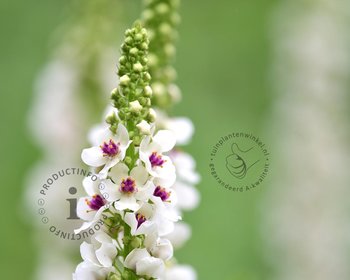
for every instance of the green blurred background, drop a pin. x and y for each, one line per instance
(223, 64)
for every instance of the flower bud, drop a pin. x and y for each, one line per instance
(113, 277)
(136, 242)
(135, 106)
(124, 80)
(162, 8)
(127, 160)
(122, 59)
(144, 127)
(138, 67)
(165, 29)
(147, 14)
(148, 91)
(152, 115)
(134, 51)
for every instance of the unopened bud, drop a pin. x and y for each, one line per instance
(144, 127)
(124, 80)
(135, 106)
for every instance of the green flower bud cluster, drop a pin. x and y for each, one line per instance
(161, 19)
(132, 98)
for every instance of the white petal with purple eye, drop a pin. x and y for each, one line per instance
(93, 156)
(165, 139)
(166, 171)
(145, 158)
(182, 128)
(83, 210)
(92, 219)
(147, 227)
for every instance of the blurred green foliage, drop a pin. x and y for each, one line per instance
(223, 64)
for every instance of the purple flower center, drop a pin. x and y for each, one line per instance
(128, 186)
(140, 219)
(162, 193)
(156, 160)
(110, 149)
(96, 202)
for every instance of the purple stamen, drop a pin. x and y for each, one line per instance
(162, 193)
(96, 202)
(110, 149)
(156, 160)
(128, 186)
(140, 219)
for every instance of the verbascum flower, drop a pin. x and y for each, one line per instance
(133, 191)
(111, 150)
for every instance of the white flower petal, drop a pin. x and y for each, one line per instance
(144, 144)
(106, 254)
(102, 237)
(166, 171)
(182, 128)
(83, 210)
(90, 186)
(88, 271)
(97, 134)
(150, 266)
(87, 252)
(127, 202)
(119, 172)
(109, 164)
(189, 196)
(165, 139)
(130, 219)
(145, 192)
(181, 233)
(139, 174)
(135, 256)
(84, 226)
(110, 191)
(122, 135)
(93, 156)
(183, 272)
(163, 249)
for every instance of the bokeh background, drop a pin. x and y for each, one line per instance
(226, 62)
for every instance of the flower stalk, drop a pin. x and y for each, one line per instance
(136, 190)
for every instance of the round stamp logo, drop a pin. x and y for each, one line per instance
(56, 200)
(239, 161)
